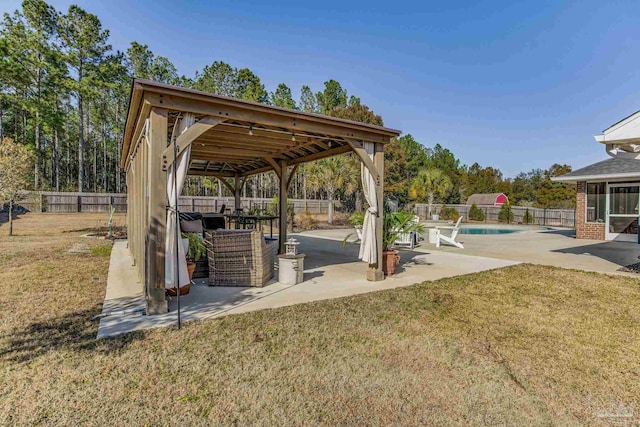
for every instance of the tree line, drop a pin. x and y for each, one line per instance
(64, 94)
(415, 173)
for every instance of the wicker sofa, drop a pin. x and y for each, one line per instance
(239, 257)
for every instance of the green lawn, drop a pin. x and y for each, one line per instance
(525, 345)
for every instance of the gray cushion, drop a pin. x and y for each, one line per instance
(194, 226)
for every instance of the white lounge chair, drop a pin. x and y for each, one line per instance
(408, 239)
(448, 233)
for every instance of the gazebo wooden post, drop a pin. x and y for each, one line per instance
(157, 202)
(375, 270)
(236, 193)
(282, 228)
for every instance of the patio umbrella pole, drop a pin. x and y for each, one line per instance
(177, 228)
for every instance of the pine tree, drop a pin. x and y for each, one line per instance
(85, 45)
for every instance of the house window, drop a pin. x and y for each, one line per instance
(596, 201)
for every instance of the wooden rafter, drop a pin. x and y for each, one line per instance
(274, 164)
(184, 140)
(294, 169)
(358, 148)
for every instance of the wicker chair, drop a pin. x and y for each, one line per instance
(239, 258)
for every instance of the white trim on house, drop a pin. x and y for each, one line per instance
(575, 179)
(623, 136)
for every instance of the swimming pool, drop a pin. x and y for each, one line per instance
(487, 230)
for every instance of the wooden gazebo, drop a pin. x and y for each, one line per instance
(230, 138)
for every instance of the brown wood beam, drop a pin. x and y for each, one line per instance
(282, 228)
(203, 105)
(241, 145)
(211, 173)
(294, 169)
(136, 132)
(322, 154)
(186, 138)
(276, 167)
(157, 202)
(358, 148)
(240, 153)
(224, 182)
(374, 272)
(232, 138)
(261, 132)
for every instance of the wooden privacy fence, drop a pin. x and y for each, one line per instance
(541, 216)
(59, 202)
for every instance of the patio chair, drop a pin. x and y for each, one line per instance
(240, 258)
(449, 235)
(411, 239)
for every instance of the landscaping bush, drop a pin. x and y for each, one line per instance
(475, 213)
(528, 217)
(307, 221)
(449, 213)
(356, 219)
(505, 214)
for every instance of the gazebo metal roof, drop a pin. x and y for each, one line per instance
(239, 137)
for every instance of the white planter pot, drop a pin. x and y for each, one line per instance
(435, 217)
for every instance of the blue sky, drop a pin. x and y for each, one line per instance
(514, 86)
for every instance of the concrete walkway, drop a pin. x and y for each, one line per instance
(331, 271)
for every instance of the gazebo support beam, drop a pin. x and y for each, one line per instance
(364, 157)
(237, 190)
(185, 140)
(156, 227)
(282, 228)
(374, 273)
(292, 173)
(224, 182)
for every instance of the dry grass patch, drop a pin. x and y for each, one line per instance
(526, 345)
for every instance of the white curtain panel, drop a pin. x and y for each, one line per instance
(182, 167)
(368, 248)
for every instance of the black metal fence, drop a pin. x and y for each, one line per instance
(539, 216)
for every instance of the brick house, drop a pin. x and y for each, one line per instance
(608, 192)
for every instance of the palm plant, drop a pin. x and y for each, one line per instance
(429, 184)
(329, 175)
(396, 224)
(197, 249)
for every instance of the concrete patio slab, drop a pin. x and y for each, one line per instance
(552, 246)
(331, 271)
(556, 247)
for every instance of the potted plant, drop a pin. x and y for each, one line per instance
(394, 225)
(356, 220)
(195, 250)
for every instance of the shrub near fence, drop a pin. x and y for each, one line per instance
(539, 216)
(100, 202)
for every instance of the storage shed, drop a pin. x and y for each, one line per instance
(488, 199)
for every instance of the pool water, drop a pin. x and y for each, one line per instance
(487, 230)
